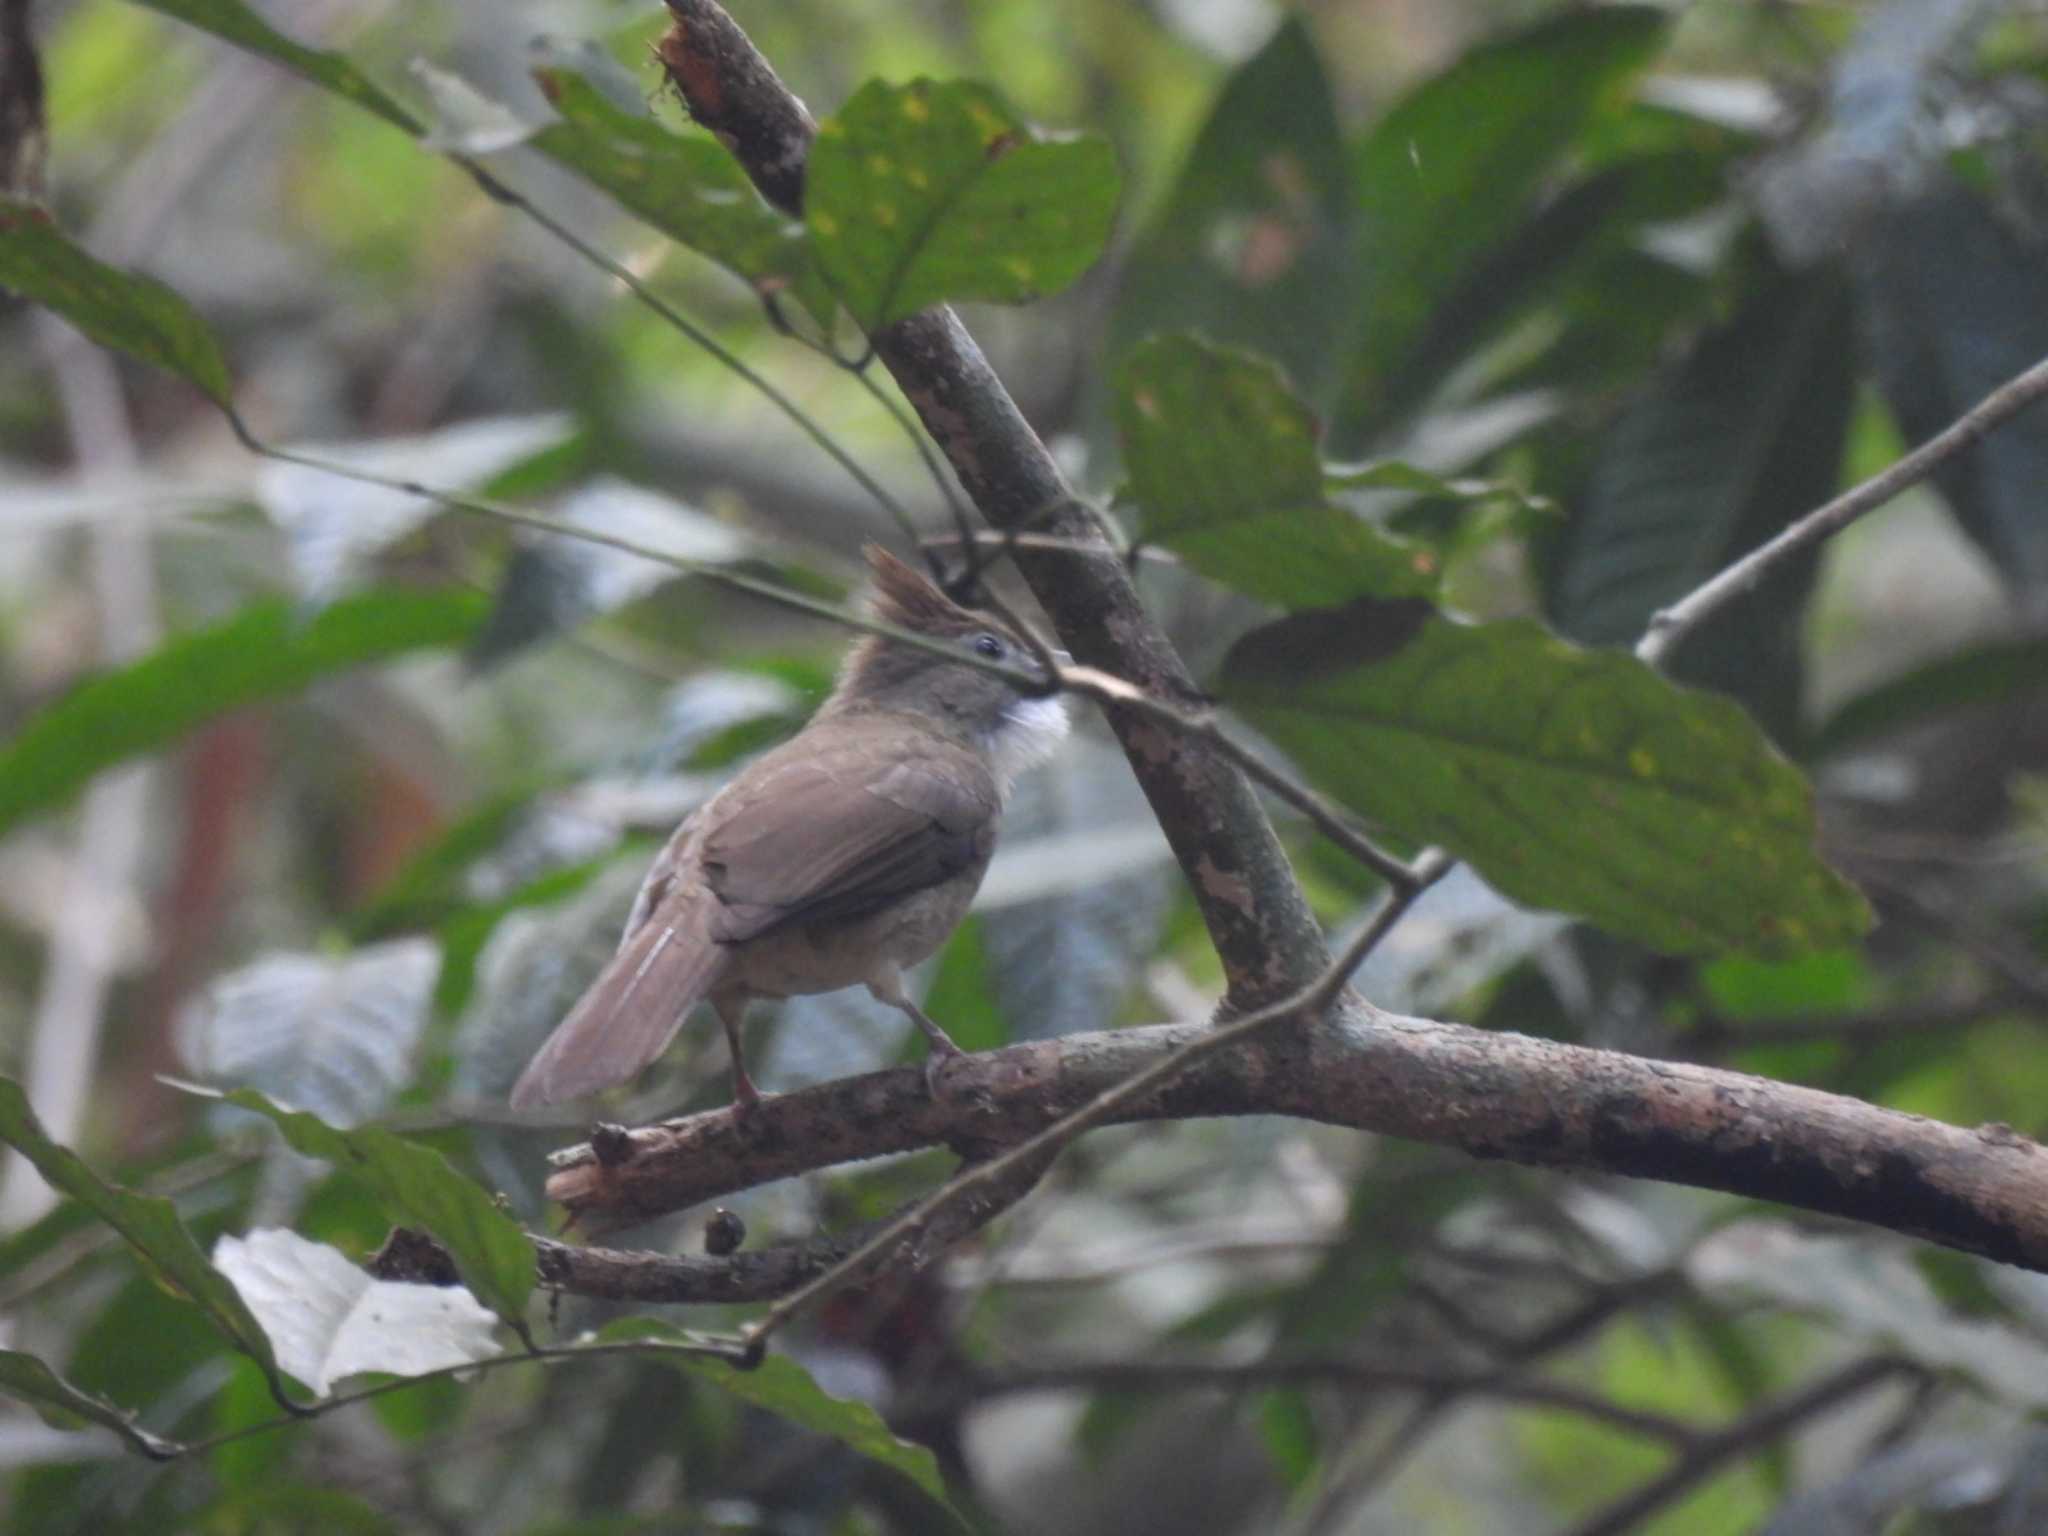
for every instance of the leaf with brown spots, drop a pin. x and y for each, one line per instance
(926, 193)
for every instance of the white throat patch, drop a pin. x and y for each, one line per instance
(1031, 732)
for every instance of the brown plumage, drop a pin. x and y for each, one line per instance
(840, 858)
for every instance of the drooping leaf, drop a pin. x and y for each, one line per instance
(263, 652)
(1223, 469)
(421, 1188)
(1956, 302)
(1726, 447)
(233, 22)
(1446, 175)
(125, 311)
(331, 1320)
(1575, 780)
(1253, 243)
(687, 186)
(336, 1034)
(334, 523)
(2002, 670)
(785, 1389)
(63, 1406)
(149, 1224)
(925, 193)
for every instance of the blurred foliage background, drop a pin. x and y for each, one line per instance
(1673, 274)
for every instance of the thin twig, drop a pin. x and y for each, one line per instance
(1329, 819)
(1672, 624)
(934, 466)
(160, 1449)
(1310, 1001)
(1745, 1437)
(499, 192)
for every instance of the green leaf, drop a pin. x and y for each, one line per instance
(1254, 242)
(421, 1188)
(1287, 1429)
(122, 310)
(785, 1389)
(149, 1224)
(1725, 447)
(63, 1406)
(1448, 173)
(690, 188)
(233, 22)
(1580, 781)
(925, 193)
(263, 652)
(962, 997)
(1223, 467)
(2003, 670)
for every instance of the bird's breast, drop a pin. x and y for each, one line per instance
(803, 958)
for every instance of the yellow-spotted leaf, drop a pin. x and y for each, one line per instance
(1223, 469)
(1577, 780)
(924, 193)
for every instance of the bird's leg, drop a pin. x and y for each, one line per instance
(887, 986)
(730, 1012)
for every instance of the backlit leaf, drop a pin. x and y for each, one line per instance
(687, 186)
(926, 193)
(1224, 471)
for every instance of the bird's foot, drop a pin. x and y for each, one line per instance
(944, 1067)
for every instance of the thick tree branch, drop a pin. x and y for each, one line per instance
(1982, 1191)
(1256, 914)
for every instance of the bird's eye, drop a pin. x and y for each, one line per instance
(989, 646)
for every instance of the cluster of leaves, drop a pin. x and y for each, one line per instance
(1560, 308)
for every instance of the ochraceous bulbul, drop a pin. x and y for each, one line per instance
(838, 859)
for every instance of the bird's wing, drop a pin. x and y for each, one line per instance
(841, 832)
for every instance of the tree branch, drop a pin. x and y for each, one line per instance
(1982, 1191)
(1260, 922)
(1743, 1438)
(763, 1274)
(1671, 625)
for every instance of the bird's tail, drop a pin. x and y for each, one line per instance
(629, 1015)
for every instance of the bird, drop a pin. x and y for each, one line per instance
(840, 858)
